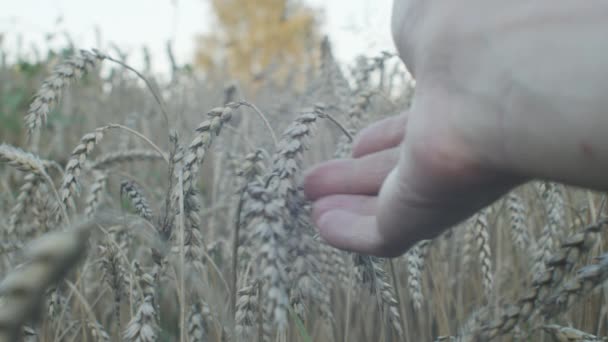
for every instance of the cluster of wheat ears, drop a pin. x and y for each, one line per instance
(152, 231)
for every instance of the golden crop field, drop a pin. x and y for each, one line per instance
(134, 208)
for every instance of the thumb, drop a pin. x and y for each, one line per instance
(404, 217)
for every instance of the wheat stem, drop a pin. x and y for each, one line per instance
(264, 119)
(144, 138)
(143, 78)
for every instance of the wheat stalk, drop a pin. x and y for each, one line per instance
(568, 334)
(42, 212)
(354, 120)
(284, 209)
(304, 261)
(29, 163)
(480, 228)
(468, 247)
(95, 194)
(554, 201)
(50, 91)
(137, 197)
(197, 150)
(248, 172)
(517, 216)
(48, 259)
(555, 220)
(113, 273)
(143, 327)
(198, 329)
(193, 158)
(415, 262)
(333, 263)
(269, 229)
(547, 293)
(24, 199)
(176, 156)
(21, 160)
(98, 332)
(246, 311)
(586, 279)
(58, 307)
(69, 186)
(370, 273)
(112, 159)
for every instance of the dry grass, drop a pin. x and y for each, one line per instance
(203, 234)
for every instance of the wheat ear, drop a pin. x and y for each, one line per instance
(517, 216)
(29, 163)
(198, 327)
(415, 266)
(98, 332)
(568, 334)
(547, 292)
(24, 199)
(95, 194)
(137, 197)
(269, 229)
(50, 91)
(246, 311)
(143, 327)
(69, 186)
(113, 273)
(482, 237)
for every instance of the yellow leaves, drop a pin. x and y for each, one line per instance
(252, 35)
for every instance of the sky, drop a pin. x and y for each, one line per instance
(355, 26)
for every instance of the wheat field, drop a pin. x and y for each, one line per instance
(137, 209)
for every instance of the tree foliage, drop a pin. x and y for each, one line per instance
(256, 37)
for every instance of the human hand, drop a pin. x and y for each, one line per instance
(410, 175)
(394, 192)
(482, 120)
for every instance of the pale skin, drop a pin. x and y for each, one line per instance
(507, 92)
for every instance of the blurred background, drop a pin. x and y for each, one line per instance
(200, 32)
(279, 54)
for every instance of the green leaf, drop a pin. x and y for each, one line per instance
(301, 328)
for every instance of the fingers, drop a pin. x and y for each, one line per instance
(359, 204)
(384, 226)
(382, 135)
(362, 176)
(405, 217)
(345, 190)
(350, 231)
